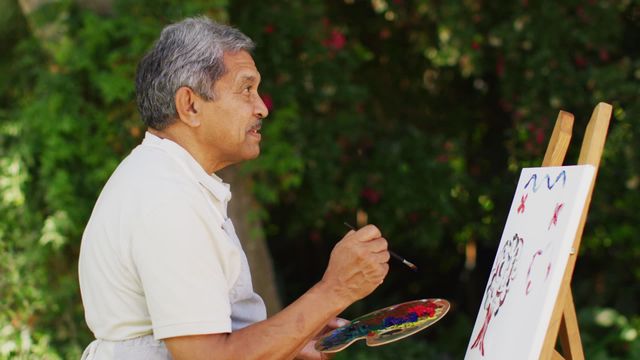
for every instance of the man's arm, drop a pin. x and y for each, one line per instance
(358, 264)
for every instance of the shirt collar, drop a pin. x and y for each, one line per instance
(212, 182)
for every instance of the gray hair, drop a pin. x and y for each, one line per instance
(188, 53)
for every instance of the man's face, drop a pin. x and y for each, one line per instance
(231, 122)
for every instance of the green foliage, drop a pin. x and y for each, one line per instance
(71, 118)
(422, 117)
(610, 335)
(418, 113)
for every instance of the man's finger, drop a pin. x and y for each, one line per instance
(337, 322)
(369, 232)
(382, 257)
(377, 245)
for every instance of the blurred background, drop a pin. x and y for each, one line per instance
(414, 115)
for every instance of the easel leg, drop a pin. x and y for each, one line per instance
(555, 355)
(564, 311)
(569, 333)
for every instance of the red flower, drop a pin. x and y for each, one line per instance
(315, 236)
(582, 14)
(371, 195)
(268, 101)
(580, 61)
(336, 40)
(540, 135)
(529, 147)
(385, 33)
(269, 28)
(442, 158)
(500, 66)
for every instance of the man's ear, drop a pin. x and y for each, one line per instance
(187, 106)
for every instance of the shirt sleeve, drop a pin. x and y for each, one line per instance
(183, 261)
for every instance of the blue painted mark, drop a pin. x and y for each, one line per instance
(535, 185)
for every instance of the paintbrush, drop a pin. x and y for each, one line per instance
(408, 263)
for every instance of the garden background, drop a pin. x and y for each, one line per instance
(419, 113)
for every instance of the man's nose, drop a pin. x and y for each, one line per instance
(261, 110)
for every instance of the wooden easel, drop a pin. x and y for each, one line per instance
(564, 322)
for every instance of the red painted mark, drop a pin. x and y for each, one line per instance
(554, 219)
(548, 270)
(479, 341)
(522, 201)
(422, 310)
(528, 289)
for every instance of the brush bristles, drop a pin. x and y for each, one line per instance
(410, 265)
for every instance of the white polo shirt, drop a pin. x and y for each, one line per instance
(159, 254)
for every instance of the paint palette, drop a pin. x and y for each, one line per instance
(386, 325)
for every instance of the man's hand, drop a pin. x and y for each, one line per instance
(309, 351)
(358, 264)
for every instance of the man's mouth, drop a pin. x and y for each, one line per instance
(255, 129)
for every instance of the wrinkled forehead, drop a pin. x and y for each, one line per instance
(240, 71)
(239, 61)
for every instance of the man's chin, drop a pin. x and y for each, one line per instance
(250, 155)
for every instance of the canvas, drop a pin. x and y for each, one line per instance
(530, 262)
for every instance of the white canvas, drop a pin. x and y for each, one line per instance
(530, 263)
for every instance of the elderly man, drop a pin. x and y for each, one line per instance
(162, 272)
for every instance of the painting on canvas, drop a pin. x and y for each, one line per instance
(530, 262)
